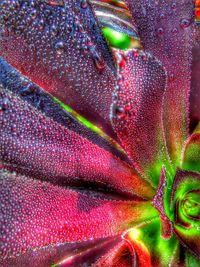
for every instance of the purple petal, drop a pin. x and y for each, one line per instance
(165, 28)
(137, 113)
(35, 145)
(62, 50)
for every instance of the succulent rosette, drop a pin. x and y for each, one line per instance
(99, 133)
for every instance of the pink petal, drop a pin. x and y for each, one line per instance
(166, 30)
(36, 214)
(35, 145)
(137, 113)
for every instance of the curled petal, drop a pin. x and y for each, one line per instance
(166, 30)
(137, 113)
(185, 201)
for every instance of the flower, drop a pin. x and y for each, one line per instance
(123, 192)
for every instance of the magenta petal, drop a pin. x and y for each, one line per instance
(35, 214)
(166, 29)
(37, 146)
(137, 113)
(63, 51)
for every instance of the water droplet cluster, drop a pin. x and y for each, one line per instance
(60, 48)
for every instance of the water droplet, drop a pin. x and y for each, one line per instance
(175, 31)
(59, 46)
(33, 13)
(160, 31)
(173, 5)
(55, 2)
(4, 104)
(118, 112)
(84, 3)
(184, 23)
(99, 62)
(162, 16)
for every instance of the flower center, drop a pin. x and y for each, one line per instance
(191, 205)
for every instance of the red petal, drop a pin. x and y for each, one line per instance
(36, 214)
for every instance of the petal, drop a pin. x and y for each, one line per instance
(35, 145)
(165, 29)
(191, 260)
(179, 257)
(118, 256)
(137, 113)
(41, 100)
(84, 252)
(195, 88)
(150, 248)
(35, 214)
(191, 152)
(61, 49)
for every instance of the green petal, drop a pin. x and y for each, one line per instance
(191, 154)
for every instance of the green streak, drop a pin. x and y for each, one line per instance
(88, 124)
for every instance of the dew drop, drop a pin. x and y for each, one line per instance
(55, 2)
(99, 62)
(160, 31)
(173, 5)
(184, 23)
(84, 3)
(59, 46)
(54, 30)
(4, 103)
(175, 31)
(118, 112)
(162, 16)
